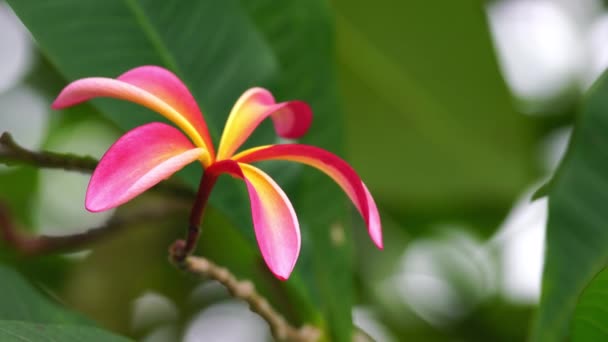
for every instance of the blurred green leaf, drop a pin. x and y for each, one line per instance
(34, 332)
(18, 186)
(576, 231)
(591, 314)
(430, 124)
(20, 301)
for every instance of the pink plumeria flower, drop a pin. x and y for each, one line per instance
(151, 153)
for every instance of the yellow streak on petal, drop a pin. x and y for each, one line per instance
(132, 93)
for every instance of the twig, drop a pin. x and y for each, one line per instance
(12, 153)
(245, 290)
(31, 245)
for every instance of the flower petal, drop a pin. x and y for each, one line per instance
(291, 119)
(136, 162)
(274, 220)
(334, 167)
(152, 87)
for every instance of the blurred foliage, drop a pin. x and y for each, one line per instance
(409, 92)
(26, 315)
(26, 331)
(576, 234)
(591, 314)
(430, 133)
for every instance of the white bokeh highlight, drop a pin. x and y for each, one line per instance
(520, 241)
(443, 277)
(24, 113)
(152, 309)
(365, 319)
(61, 194)
(582, 12)
(16, 49)
(553, 148)
(549, 48)
(596, 40)
(163, 333)
(538, 45)
(229, 321)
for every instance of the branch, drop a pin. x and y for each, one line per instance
(245, 290)
(12, 153)
(30, 245)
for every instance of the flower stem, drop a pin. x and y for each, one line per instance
(11, 153)
(181, 249)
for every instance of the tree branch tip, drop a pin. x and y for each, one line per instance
(177, 256)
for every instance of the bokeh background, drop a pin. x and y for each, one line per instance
(454, 113)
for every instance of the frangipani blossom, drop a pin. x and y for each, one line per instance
(151, 153)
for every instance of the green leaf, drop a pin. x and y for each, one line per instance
(590, 320)
(27, 315)
(20, 301)
(17, 190)
(35, 332)
(576, 230)
(431, 127)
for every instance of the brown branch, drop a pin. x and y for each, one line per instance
(245, 290)
(30, 245)
(12, 153)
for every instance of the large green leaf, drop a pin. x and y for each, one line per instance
(577, 233)
(431, 127)
(26, 315)
(20, 301)
(35, 332)
(591, 314)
